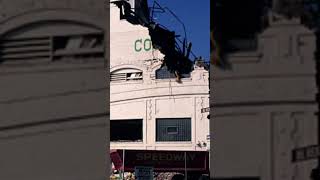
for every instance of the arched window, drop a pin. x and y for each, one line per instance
(126, 74)
(52, 41)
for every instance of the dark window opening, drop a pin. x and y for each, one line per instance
(60, 43)
(78, 41)
(126, 130)
(164, 73)
(134, 76)
(78, 46)
(173, 129)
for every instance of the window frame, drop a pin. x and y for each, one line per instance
(189, 140)
(125, 73)
(171, 74)
(141, 140)
(14, 44)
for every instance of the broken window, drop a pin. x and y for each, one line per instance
(173, 129)
(126, 130)
(78, 46)
(164, 73)
(50, 48)
(127, 74)
(43, 42)
(176, 50)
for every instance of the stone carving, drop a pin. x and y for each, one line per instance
(295, 133)
(149, 104)
(287, 135)
(281, 143)
(152, 63)
(201, 105)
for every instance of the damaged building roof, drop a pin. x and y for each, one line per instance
(176, 56)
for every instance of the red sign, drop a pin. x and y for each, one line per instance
(116, 159)
(165, 160)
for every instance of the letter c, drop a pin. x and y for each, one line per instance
(135, 45)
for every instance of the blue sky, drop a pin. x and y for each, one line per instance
(196, 18)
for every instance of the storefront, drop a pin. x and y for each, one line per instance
(192, 163)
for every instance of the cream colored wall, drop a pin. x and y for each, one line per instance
(151, 98)
(122, 38)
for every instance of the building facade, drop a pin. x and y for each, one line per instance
(265, 106)
(149, 110)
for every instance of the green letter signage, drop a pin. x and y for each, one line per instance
(135, 45)
(147, 45)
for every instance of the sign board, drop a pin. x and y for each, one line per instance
(116, 159)
(165, 161)
(203, 110)
(306, 153)
(143, 173)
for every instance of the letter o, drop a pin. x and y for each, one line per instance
(147, 45)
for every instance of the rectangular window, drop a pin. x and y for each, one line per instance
(164, 73)
(173, 129)
(126, 130)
